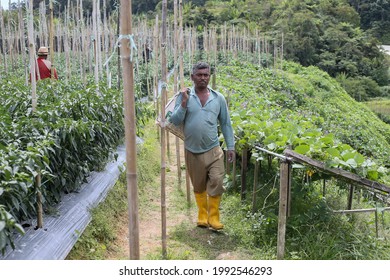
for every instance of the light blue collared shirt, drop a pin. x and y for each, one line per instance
(201, 123)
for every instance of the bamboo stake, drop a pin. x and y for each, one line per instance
(3, 41)
(181, 70)
(95, 40)
(350, 196)
(175, 87)
(29, 8)
(130, 129)
(39, 201)
(66, 44)
(163, 135)
(51, 37)
(156, 89)
(255, 183)
(244, 165)
(119, 57)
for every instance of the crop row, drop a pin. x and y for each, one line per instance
(74, 130)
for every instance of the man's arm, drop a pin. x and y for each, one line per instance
(180, 110)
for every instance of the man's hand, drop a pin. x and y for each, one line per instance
(185, 97)
(231, 155)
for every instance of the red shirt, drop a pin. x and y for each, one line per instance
(44, 67)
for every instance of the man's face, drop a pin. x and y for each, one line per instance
(201, 78)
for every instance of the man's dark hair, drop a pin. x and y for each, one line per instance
(200, 65)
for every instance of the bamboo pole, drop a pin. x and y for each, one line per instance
(353, 211)
(39, 201)
(244, 165)
(163, 135)
(175, 86)
(95, 40)
(156, 57)
(255, 183)
(29, 8)
(66, 44)
(51, 37)
(130, 128)
(181, 77)
(3, 41)
(119, 57)
(350, 196)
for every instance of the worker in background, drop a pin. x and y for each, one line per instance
(44, 65)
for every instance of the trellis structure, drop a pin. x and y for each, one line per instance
(286, 160)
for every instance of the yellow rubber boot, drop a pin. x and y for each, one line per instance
(214, 202)
(201, 202)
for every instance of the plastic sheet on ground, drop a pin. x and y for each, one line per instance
(61, 230)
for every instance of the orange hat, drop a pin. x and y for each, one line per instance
(43, 51)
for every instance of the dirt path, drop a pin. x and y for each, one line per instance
(150, 216)
(184, 239)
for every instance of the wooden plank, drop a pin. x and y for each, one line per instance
(337, 172)
(359, 210)
(282, 217)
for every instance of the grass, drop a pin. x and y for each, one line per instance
(381, 107)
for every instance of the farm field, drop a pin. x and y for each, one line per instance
(380, 107)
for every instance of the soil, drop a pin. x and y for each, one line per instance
(150, 221)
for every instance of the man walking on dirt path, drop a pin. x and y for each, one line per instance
(200, 109)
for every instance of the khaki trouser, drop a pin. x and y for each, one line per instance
(206, 171)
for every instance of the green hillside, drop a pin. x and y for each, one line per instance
(306, 109)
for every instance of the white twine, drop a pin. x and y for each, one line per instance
(132, 46)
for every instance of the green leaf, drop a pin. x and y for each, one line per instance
(348, 155)
(359, 158)
(333, 152)
(3, 240)
(372, 175)
(19, 228)
(351, 162)
(302, 149)
(2, 225)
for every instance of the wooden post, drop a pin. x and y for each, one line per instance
(234, 175)
(244, 165)
(255, 182)
(376, 221)
(282, 218)
(130, 128)
(350, 196)
(324, 188)
(289, 190)
(163, 134)
(181, 77)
